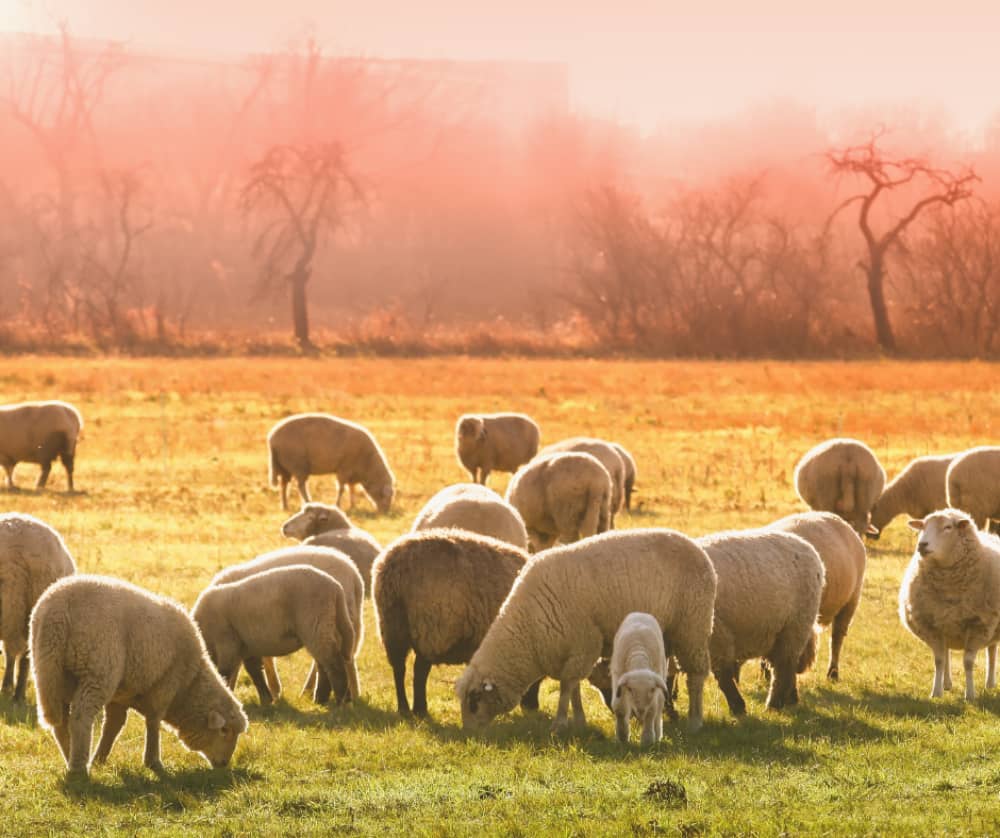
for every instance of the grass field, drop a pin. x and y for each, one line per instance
(173, 463)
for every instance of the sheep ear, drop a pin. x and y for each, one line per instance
(915, 524)
(663, 686)
(962, 523)
(216, 721)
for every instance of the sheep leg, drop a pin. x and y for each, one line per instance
(991, 666)
(68, 460)
(8, 467)
(8, 670)
(783, 690)
(696, 691)
(576, 699)
(969, 660)
(43, 475)
(350, 496)
(621, 727)
(310, 683)
(61, 734)
(398, 663)
(23, 664)
(421, 671)
(255, 669)
(321, 692)
(114, 721)
(84, 707)
(151, 756)
(529, 701)
(947, 669)
(353, 682)
(283, 483)
(649, 735)
(940, 665)
(561, 721)
(300, 484)
(837, 634)
(726, 677)
(340, 494)
(271, 676)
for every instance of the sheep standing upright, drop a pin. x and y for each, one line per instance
(917, 491)
(561, 496)
(319, 525)
(475, 508)
(950, 595)
(638, 670)
(607, 455)
(842, 476)
(974, 484)
(844, 558)
(317, 443)
(98, 642)
(38, 432)
(487, 442)
(32, 557)
(436, 592)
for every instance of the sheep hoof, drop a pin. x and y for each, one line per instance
(833, 674)
(156, 767)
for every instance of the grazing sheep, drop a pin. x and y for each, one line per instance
(437, 592)
(843, 555)
(974, 484)
(916, 491)
(328, 560)
(472, 507)
(98, 642)
(630, 472)
(842, 476)
(275, 613)
(317, 443)
(561, 496)
(606, 454)
(769, 590)
(32, 557)
(950, 595)
(38, 432)
(638, 669)
(566, 606)
(319, 525)
(486, 442)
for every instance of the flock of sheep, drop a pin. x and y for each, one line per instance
(627, 610)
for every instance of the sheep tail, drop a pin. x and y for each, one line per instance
(848, 490)
(591, 522)
(48, 651)
(808, 656)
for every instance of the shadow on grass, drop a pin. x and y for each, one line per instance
(13, 713)
(173, 789)
(923, 707)
(356, 715)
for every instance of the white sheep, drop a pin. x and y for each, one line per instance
(566, 606)
(319, 525)
(561, 496)
(98, 642)
(638, 670)
(317, 443)
(487, 442)
(769, 590)
(844, 558)
(475, 508)
(950, 595)
(974, 484)
(919, 489)
(275, 613)
(842, 476)
(436, 592)
(328, 560)
(607, 455)
(32, 557)
(38, 432)
(630, 472)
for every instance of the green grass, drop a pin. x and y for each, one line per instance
(174, 468)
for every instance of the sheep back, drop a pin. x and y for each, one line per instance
(842, 476)
(606, 454)
(357, 544)
(28, 430)
(973, 482)
(495, 441)
(919, 489)
(472, 507)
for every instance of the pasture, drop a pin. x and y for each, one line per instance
(173, 468)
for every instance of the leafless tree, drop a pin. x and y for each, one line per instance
(301, 195)
(884, 174)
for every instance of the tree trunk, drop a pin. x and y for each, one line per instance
(876, 293)
(300, 311)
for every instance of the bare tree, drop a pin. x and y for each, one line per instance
(301, 194)
(886, 174)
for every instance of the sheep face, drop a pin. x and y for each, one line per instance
(640, 694)
(940, 534)
(481, 700)
(471, 432)
(381, 495)
(313, 519)
(214, 736)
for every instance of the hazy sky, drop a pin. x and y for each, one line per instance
(639, 60)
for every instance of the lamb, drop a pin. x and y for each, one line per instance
(606, 455)
(769, 589)
(473, 507)
(32, 557)
(917, 491)
(275, 613)
(638, 669)
(950, 595)
(317, 443)
(842, 476)
(328, 560)
(38, 432)
(437, 592)
(566, 606)
(487, 442)
(561, 496)
(974, 484)
(319, 525)
(630, 472)
(843, 555)
(101, 642)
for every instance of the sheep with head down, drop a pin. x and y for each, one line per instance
(607, 454)
(475, 508)
(973, 480)
(39, 432)
(842, 476)
(638, 673)
(919, 489)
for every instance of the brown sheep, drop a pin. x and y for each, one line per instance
(38, 432)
